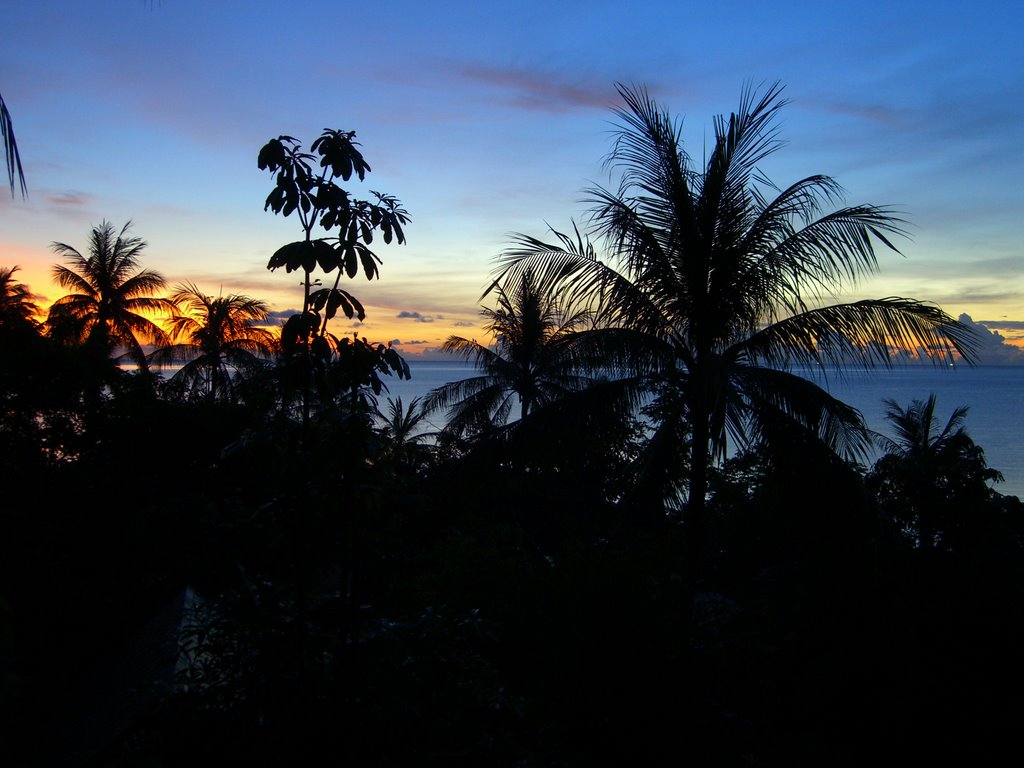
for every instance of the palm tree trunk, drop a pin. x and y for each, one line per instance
(696, 503)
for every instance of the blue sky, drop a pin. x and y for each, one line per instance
(487, 119)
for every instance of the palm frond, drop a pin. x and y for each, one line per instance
(648, 149)
(832, 251)
(67, 278)
(448, 395)
(747, 137)
(781, 404)
(15, 173)
(866, 332)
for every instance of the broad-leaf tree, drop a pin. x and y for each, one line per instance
(215, 338)
(716, 282)
(112, 299)
(306, 184)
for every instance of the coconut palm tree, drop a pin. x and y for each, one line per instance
(111, 295)
(402, 431)
(928, 478)
(216, 337)
(715, 283)
(17, 309)
(915, 428)
(532, 361)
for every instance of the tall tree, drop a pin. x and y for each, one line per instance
(715, 285)
(112, 297)
(216, 337)
(533, 359)
(348, 226)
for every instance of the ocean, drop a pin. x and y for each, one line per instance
(994, 395)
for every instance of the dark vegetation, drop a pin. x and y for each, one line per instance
(249, 563)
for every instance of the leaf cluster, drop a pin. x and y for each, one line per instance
(305, 182)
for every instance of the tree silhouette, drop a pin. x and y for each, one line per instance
(349, 225)
(929, 479)
(716, 280)
(112, 295)
(533, 360)
(402, 433)
(17, 307)
(220, 337)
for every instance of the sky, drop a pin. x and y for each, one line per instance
(488, 119)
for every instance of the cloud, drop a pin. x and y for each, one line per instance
(537, 90)
(283, 314)
(69, 198)
(879, 113)
(993, 348)
(417, 316)
(463, 324)
(431, 353)
(1006, 325)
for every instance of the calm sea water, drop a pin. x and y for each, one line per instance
(994, 394)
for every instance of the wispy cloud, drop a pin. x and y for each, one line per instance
(883, 114)
(69, 198)
(538, 90)
(1015, 325)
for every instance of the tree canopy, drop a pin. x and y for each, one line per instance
(711, 281)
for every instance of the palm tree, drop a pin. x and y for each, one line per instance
(111, 295)
(928, 477)
(17, 309)
(715, 283)
(401, 431)
(218, 335)
(915, 428)
(532, 361)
